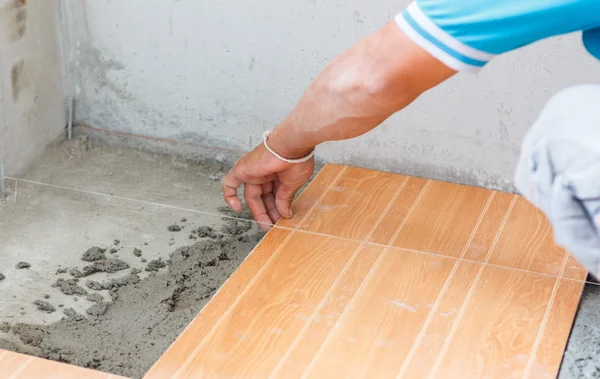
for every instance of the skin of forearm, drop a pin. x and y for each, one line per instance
(380, 75)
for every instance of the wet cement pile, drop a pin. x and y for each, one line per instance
(127, 331)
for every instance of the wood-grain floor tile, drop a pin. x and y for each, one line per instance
(490, 225)
(496, 334)
(376, 332)
(398, 211)
(320, 306)
(432, 340)
(41, 368)
(199, 328)
(574, 270)
(443, 220)
(12, 363)
(250, 339)
(352, 207)
(554, 336)
(311, 194)
(299, 356)
(527, 242)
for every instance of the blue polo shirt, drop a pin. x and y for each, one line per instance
(466, 34)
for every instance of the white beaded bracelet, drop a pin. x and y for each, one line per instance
(300, 160)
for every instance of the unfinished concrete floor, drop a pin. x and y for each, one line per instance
(140, 208)
(82, 194)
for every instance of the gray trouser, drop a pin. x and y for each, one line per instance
(559, 170)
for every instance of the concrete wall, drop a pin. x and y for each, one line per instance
(32, 111)
(217, 72)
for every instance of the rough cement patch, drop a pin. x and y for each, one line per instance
(129, 335)
(4, 327)
(236, 227)
(72, 315)
(110, 265)
(205, 232)
(93, 254)
(69, 286)
(245, 214)
(44, 306)
(99, 308)
(29, 334)
(155, 265)
(22, 265)
(174, 228)
(582, 356)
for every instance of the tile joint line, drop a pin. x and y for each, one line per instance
(364, 281)
(23, 366)
(443, 290)
(336, 282)
(255, 278)
(275, 226)
(461, 312)
(540, 335)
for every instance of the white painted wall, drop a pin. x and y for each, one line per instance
(219, 72)
(32, 112)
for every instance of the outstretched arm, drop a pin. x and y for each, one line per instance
(380, 75)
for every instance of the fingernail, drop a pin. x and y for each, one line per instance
(291, 213)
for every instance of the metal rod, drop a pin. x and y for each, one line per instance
(70, 125)
(1, 180)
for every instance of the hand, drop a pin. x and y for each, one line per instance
(270, 184)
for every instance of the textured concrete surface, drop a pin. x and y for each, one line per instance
(91, 196)
(32, 106)
(219, 73)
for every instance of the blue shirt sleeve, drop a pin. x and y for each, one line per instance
(466, 34)
(591, 41)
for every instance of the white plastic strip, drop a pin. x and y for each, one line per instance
(300, 160)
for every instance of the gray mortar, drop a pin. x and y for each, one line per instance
(581, 359)
(155, 265)
(4, 327)
(22, 265)
(110, 265)
(93, 254)
(236, 227)
(127, 336)
(69, 286)
(45, 306)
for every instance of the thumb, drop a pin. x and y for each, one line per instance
(284, 196)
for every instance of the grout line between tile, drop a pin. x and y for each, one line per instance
(273, 225)
(140, 201)
(254, 279)
(443, 290)
(364, 281)
(540, 335)
(463, 308)
(436, 254)
(335, 283)
(23, 366)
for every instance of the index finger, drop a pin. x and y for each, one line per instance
(230, 185)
